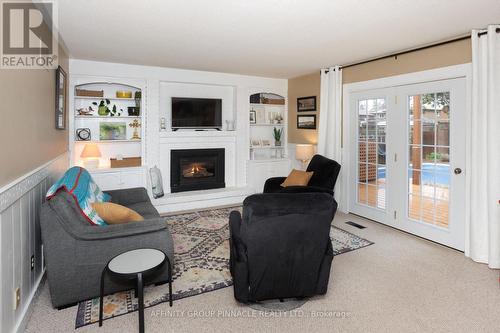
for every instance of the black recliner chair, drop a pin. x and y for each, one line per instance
(281, 246)
(323, 179)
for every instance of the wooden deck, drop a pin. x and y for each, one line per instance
(422, 206)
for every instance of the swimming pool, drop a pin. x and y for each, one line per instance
(431, 173)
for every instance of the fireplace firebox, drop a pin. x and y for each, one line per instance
(196, 169)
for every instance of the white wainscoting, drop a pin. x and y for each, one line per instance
(20, 239)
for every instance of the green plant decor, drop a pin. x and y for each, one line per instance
(115, 112)
(137, 97)
(103, 107)
(277, 133)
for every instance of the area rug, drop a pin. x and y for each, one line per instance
(201, 254)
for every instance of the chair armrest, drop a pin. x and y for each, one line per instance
(122, 230)
(305, 189)
(129, 196)
(237, 246)
(234, 224)
(273, 184)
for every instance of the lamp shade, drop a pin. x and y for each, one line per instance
(304, 152)
(90, 150)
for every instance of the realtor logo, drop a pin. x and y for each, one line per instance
(28, 37)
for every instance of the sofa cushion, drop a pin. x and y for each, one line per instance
(80, 185)
(145, 209)
(116, 214)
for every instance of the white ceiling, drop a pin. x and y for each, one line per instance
(274, 38)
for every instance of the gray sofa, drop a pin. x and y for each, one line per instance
(76, 252)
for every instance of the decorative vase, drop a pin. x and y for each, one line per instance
(103, 110)
(277, 143)
(230, 125)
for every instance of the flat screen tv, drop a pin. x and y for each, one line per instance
(196, 113)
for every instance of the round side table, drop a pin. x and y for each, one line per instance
(136, 264)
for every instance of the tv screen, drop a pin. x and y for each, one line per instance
(196, 113)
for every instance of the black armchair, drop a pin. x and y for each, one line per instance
(281, 246)
(323, 179)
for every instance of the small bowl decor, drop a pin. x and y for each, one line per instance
(123, 94)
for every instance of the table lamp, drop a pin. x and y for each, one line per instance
(303, 153)
(90, 155)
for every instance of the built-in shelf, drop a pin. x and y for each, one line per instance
(110, 98)
(275, 125)
(267, 147)
(107, 141)
(106, 117)
(266, 160)
(109, 169)
(274, 105)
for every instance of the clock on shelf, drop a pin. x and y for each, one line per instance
(83, 134)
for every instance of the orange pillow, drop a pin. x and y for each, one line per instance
(116, 214)
(297, 178)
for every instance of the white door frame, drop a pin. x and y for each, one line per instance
(444, 73)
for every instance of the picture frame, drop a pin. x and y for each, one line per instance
(253, 117)
(306, 121)
(255, 143)
(61, 98)
(112, 131)
(305, 104)
(261, 116)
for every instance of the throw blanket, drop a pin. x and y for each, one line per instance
(78, 182)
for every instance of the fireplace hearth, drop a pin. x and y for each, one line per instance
(196, 169)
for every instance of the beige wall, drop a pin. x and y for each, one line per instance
(302, 86)
(28, 138)
(454, 53)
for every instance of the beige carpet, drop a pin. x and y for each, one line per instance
(399, 284)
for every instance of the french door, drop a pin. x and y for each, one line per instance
(408, 156)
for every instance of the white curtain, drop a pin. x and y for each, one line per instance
(483, 225)
(330, 120)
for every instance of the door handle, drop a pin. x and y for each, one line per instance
(457, 171)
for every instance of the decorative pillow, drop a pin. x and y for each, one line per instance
(78, 182)
(297, 178)
(116, 214)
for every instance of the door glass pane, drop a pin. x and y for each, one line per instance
(371, 152)
(414, 181)
(381, 196)
(381, 155)
(362, 193)
(428, 132)
(414, 207)
(442, 211)
(429, 158)
(362, 172)
(427, 206)
(443, 133)
(372, 196)
(415, 132)
(415, 157)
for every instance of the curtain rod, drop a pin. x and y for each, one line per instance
(497, 30)
(396, 54)
(479, 34)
